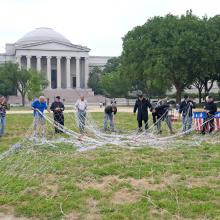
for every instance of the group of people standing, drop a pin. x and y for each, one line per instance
(57, 107)
(160, 113)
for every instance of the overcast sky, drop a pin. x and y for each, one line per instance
(97, 24)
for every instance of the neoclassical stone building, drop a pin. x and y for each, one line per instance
(66, 65)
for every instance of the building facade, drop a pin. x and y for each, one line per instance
(66, 65)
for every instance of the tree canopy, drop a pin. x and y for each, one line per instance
(29, 83)
(172, 51)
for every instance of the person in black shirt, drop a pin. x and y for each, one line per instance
(185, 108)
(210, 109)
(109, 111)
(141, 105)
(57, 108)
(161, 112)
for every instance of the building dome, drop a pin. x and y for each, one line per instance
(42, 34)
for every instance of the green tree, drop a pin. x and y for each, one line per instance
(165, 50)
(94, 80)
(28, 82)
(112, 65)
(8, 72)
(115, 84)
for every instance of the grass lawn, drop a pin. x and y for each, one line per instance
(108, 183)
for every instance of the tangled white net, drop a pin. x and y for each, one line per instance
(42, 133)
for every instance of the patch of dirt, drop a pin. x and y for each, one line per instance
(72, 216)
(124, 196)
(7, 213)
(145, 184)
(102, 185)
(93, 210)
(192, 182)
(11, 217)
(49, 190)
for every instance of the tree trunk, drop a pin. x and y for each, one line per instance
(200, 96)
(23, 99)
(178, 95)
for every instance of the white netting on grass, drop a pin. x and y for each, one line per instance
(42, 133)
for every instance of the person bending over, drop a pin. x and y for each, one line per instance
(110, 111)
(162, 113)
(57, 108)
(210, 109)
(38, 106)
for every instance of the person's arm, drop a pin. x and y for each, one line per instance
(86, 105)
(135, 107)
(150, 105)
(33, 106)
(181, 108)
(52, 108)
(215, 108)
(63, 107)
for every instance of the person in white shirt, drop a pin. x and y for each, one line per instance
(81, 107)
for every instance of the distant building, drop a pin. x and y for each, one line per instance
(66, 65)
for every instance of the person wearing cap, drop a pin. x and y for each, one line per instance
(110, 111)
(57, 107)
(3, 107)
(81, 108)
(141, 106)
(38, 106)
(186, 107)
(210, 109)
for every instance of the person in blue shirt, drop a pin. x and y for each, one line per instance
(38, 106)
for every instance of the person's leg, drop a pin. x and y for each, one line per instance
(111, 122)
(189, 125)
(204, 124)
(184, 123)
(146, 124)
(35, 125)
(159, 126)
(56, 121)
(154, 115)
(83, 120)
(1, 126)
(211, 124)
(61, 122)
(42, 123)
(80, 121)
(105, 121)
(169, 124)
(140, 125)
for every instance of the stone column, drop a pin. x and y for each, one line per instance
(58, 72)
(28, 62)
(77, 72)
(68, 79)
(86, 72)
(18, 61)
(38, 63)
(49, 71)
